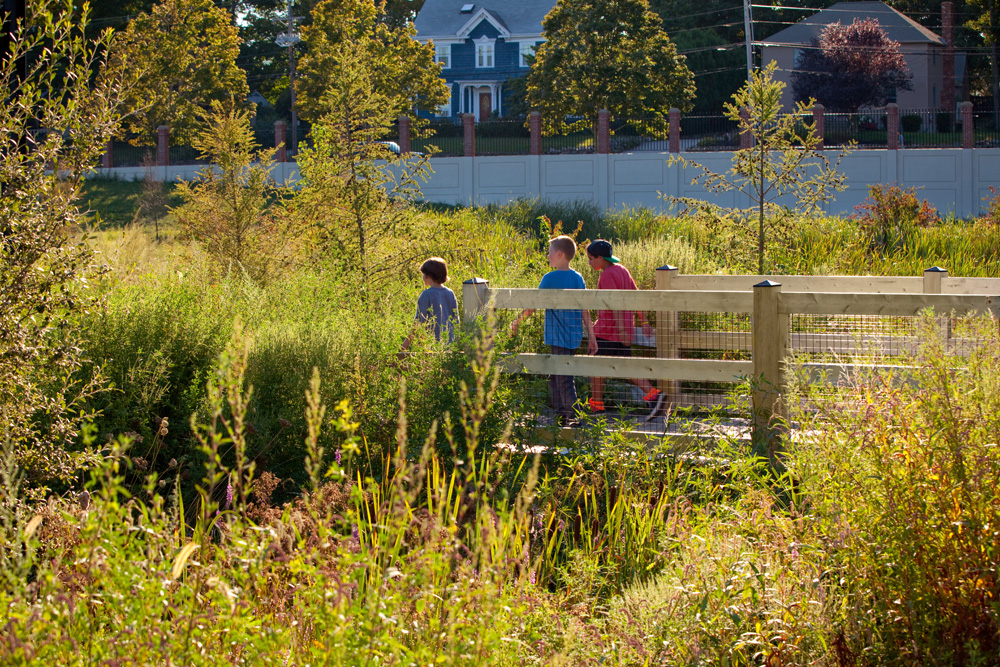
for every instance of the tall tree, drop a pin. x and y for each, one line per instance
(183, 54)
(54, 78)
(987, 23)
(710, 34)
(402, 69)
(354, 190)
(851, 66)
(605, 54)
(782, 174)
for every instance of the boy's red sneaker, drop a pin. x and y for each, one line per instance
(595, 406)
(652, 395)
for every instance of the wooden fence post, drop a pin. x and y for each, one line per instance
(667, 332)
(770, 336)
(933, 278)
(475, 296)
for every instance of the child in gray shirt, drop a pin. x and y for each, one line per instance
(437, 306)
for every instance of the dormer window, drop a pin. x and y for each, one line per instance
(484, 52)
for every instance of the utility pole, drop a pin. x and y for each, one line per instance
(748, 32)
(290, 39)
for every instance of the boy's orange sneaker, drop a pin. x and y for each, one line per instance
(595, 406)
(652, 395)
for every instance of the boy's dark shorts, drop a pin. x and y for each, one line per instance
(611, 348)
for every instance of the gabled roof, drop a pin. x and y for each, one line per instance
(478, 17)
(444, 19)
(899, 27)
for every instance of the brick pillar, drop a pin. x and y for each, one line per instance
(535, 125)
(280, 141)
(746, 138)
(108, 159)
(162, 146)
(892, 126)
(603, 132)
(404, 135)
(469, 134)
(967, 127)
(818, 124)
(948, 65)
(674, 145)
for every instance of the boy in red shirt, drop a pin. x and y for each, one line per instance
(614, 328)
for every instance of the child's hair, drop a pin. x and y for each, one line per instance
(565, 245)
(436, 269)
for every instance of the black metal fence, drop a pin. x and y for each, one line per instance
(918, 128)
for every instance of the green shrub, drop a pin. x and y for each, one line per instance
(890, 214)
(902, 479)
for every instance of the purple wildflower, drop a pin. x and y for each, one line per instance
(356, 535)
(229, 493)
(336, 456)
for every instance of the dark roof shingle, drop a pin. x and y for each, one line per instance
(899, 27)
(444, 18)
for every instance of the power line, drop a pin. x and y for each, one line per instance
(691, 16)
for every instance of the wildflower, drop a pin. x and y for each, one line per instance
(229, 492)
(336, 456)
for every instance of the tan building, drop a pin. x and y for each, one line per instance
(923, 50)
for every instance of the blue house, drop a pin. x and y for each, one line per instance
(481, 45)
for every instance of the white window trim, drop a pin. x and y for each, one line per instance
(437, 49)
(490, 45)
(524, 49)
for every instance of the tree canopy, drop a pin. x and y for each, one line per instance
(851, 66)
(607, 55)
(401, 67)
(183, 54)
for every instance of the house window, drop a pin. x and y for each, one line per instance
(442, 55)
(484, 53)
(527, 49)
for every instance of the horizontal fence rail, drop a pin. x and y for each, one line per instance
(822, 317)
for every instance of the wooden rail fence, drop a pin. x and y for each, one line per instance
(770, 301)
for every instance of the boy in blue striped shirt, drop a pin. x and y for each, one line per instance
(563, 328)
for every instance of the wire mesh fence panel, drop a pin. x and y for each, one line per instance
(446, 136)
(986, 130)
(830, 354)
(503, 136)
(709, 133)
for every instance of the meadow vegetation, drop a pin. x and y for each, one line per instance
(272, 485)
